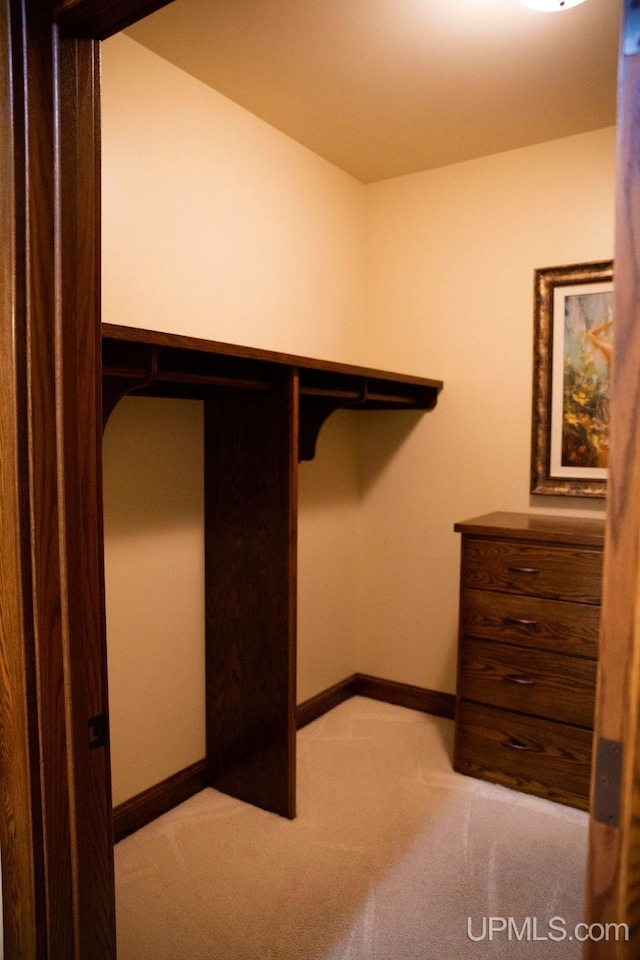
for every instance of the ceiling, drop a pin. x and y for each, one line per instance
(383, 88)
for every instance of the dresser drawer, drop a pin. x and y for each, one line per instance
(537, 756)
(532, 681)
(531, 621)
(563, 573)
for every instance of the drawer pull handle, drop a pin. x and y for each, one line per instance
(515, 744)
(521, 681)
(523, 570)
(519, 622)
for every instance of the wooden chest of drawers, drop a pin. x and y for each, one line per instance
(529, 617)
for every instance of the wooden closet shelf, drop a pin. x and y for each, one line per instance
(150, 363)
(133, 337)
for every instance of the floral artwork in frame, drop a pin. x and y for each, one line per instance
(573, 347)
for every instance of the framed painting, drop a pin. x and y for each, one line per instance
(573, 347)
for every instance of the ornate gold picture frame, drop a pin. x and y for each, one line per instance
(573, 329)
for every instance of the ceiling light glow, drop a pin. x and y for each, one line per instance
(551, 6)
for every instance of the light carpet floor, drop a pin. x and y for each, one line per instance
(392, 857)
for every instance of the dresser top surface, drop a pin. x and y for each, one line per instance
(535, 526)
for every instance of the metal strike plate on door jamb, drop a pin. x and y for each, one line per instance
(631, 28)
(98, 731)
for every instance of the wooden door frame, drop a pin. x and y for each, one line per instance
(55, 794)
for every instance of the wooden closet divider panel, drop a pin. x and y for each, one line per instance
(250, 569)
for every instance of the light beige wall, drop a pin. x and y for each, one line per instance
(218, 226)
(214, 225)
(154, 583)
(329, 559)
(450, 283)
